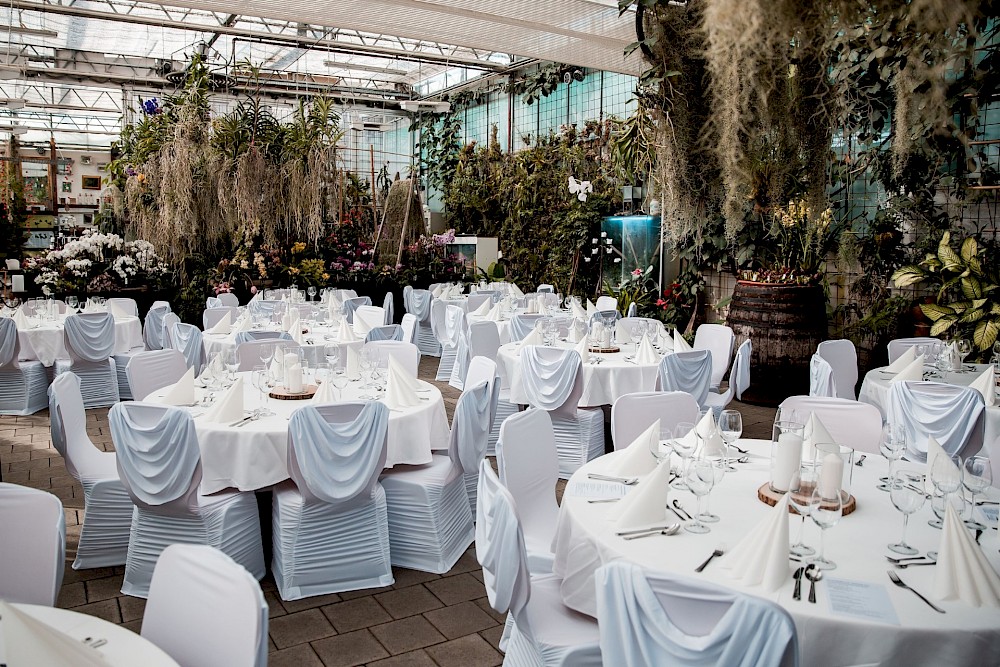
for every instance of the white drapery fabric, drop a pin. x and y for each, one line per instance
(821, 382)
(953, 415)
(418, 303)
(33, 547)
(739, 380)
(687, 371)
(22, 383)
(719, 340)
(152, 332)
(351, 306)
(843, 358)
(188, 341)
(90, 341)
(388, 332)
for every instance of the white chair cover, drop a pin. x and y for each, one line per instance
(152, 370)
(107, 506)
(659, 618)
(633, 310)
(351, 306)
(522, 324)
(405, 353)
(463, 355)
(478, 299)
(22, 383)
(484, 369)
(367, 318)
(418, 303)
(90, 341)
(189, 342)
(843, 358)
(212, 316)
(246, 336)
(606, 303)
(205, 609)
(330, 530)
(388, 308)
(32, 545)
(160, 464)
(388, 332)
(900, 345)
(484, 340)
(717, 339)
(545, 288)
(126, 305)
(169, 320)
(632, 414)
(213, 302)
(529, 469)
(449, 326)
(687, 371)
(821, 381)
(470, 428)
(229, 299)
(739, 380)
(850, 423)
(409, 327)
(954, 415)
(152, 331)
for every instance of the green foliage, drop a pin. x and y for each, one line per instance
(532, 87)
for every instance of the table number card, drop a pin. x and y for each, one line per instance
(596, 489)
(860, 599)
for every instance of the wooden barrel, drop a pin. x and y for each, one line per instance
(785, 323)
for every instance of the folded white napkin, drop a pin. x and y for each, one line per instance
(286, 320)
(294, 324)
(229, 406)
(637, 459)
(276, 371)
(646, 503)
(934, 451)
(583, 349)
(761, 558)
(495, 313)
(591, 309)
(904, 360)
(116, 311)
(298, 336)
(578, 311)
(28, 641)
(813, 434)
(711, 440)
(325, 393)
(21, 320)
(680, 345)
(646, 353)
(334, 305)
(914, 371)
(437, 292)
(181, 392)
(533, 338)
(399, 389)
(353, 366)
(483, 308)
(245, 324)
(962, 571)
(986, 385)
(223, 326)
(345, 334)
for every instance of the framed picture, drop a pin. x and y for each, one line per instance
(91, 182)
(67, 186)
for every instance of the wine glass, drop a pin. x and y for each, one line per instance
(717, 461)
(232, 361)
(978, 475)
(826, 513)
(266, 353)
(685, 449)
(964, 347)
(907, 495)
(660, 448)
(939, 504)
(892, 446)
(262, 381)
(804, 500)
(946, 474)
(367, 363)
(311, 291)
(730, 428)
(72, 302)
(700, 478)
(333, 356)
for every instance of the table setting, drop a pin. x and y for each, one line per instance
(909, 575)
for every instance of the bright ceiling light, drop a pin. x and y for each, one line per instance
(333, 64)
(425, 105)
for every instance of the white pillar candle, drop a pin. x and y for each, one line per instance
(17, 283)
(788, 457)
(293, 379)
(290, 361)
(830, 475)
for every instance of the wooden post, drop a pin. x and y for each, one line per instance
(406, 217)
(340, 220)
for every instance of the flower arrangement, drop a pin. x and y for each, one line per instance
(97, 263)
(802, 240)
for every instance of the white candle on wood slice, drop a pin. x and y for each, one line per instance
(788, 456)
(293, 373)
(830, 476)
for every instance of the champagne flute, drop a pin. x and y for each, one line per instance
(700, 478)
(826, 513)
(907, 496)
(977, 477)
(730, 428)
(804, 500)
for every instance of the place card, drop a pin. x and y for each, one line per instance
(589, 488)
(860, 599)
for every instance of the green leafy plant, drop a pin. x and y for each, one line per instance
(968, 297)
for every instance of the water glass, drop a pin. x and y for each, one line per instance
(946, 474)
(826, 513)
(977, 477)
(718, 464)
(311, 291)
(685, 449)
(939, 504)
(892, 446)
(803, 499)
(700, 478)
(907, 496)
(730, 428)
(261, 380)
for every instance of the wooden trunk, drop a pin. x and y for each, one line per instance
(785, 323)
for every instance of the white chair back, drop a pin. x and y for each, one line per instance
(900, 345)
(719, 340)
(212, 316)
(545, 288)
(500, 545)
(205, 609)
(229, 299)
(674, 620)
(409, 325)
(213, 302)
(367, 318)
(152, 332)
(405, 353)
(843, 358)
(352, 304)
(89, 337)
(126, 305)
(478, 299)
(32, 545)
(849, 423)
(388, 308)
(418, 303)
(68, 426)
(522, 324)
(470, 426)
(607, 303)
(188, 340)
(552, 379)
(169, 320)
(248, 352)
(10, 343)
(632, 414)
(387, 332)
(484, 340)
(739, 374)
(821, 380)
(687, 371)
(152, 370)
(954, 415)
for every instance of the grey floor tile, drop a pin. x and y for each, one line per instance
(297, 656)
(303, 626)
(347, 650)
(459, 588)
(460, 619)
(411, 659)
(292, 606)
(408, 601)
(356, 614)
(469, 651)
(407, 634)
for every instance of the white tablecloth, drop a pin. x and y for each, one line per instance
(964, 635)
(45, 343)
(460, 301)
(603, 382)
(123, 648)
(314, 346)
(255, 455)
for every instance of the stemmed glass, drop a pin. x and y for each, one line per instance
(826, 513)
(685, 449)
(730, 428)
(266, 353)
(661, 448)
(802, 497)
(262, 381)
(892, 447)
(939, 505)
(700, 478)
(367, 363)
(232, 364)
(311, 291)
(72, 302)
(908, 497)
(717, 461)
(964, 347)
(978, 475)
(946, 474)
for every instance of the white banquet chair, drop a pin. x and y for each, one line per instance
(405, 353)
(22, 383)
(476, 300)
(843, 358)
(152, 370)
(367, 318)
(739, 380)
(152, 328)
(552, 380)
(821, 379)
(481, 371)
(169, 320)
(229, 299)
(213, 302)
(352, 304)
(719, 340)
(32, 545)
(540, 629)
(430, 519)
(330, 531)
(408, 324)
(898, 346)
(659, 618)
(545, 288)
(463, 355)
(90, 341)
(849, 423)
(954, 415)
(484, 341)
(418, 303)
(529, 469)
(125, 304)
(521, 325)
(189, 341)
(107, 507)
(388, 308)
(122, 359)
(449, 323)
(212, 316)
(205, 609)
(387, 332)
(160, 464)
(606, 303)
(633, 310)
(632, 414)
(687, 371)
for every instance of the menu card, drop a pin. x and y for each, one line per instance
(860, 599)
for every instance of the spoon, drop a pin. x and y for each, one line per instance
(813, 574)
(670, 530)
(797, 595)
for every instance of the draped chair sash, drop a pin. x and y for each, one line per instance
(549, 376)
(10, 345)
(954, 415)
(454, 326)
(739, 376)
(388, 332)
(247, 336)
(152, 332)
(687, 371)
(169, 320)
(157, 448)
(338, 461)
(351, 305)
(500, 544)
(470, 427)
(90, 336)
(188, 341)
(213, 302)
(821, 377)
(521, 325)
(418, 302)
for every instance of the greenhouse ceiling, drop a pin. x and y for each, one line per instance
(75, 70)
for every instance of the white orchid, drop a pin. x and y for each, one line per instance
(580, 188)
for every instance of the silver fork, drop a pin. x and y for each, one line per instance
(902, 584)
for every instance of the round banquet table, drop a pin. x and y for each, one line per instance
(123, 648)
(585, 539)
(314, 346)
(255, 455)
(603, 382)
(45, 343)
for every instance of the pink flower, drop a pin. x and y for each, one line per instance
(637, 272)
(253, 289)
